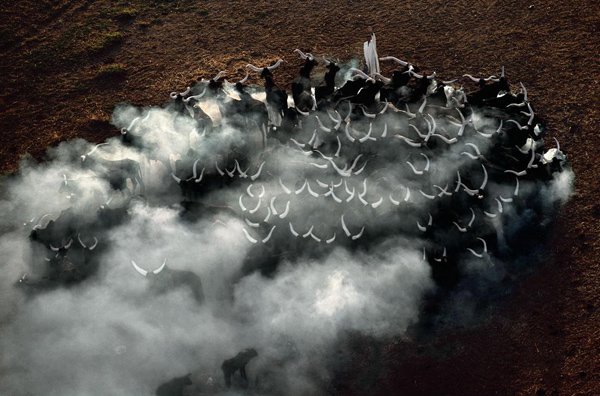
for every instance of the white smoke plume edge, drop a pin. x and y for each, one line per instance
(110, 332)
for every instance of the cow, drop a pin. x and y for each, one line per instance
(174, 387)
(276, 97)
(116, 172)
(238, 363)
(323, 92)
(301, 86)
(164, 279)
(248, 106)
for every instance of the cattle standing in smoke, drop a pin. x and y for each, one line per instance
(238, 363)
(323, 92)
(276, 97)
(163, 279)
(301, 86)
(116, 172)
(174, 387)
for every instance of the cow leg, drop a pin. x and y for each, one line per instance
(227, 375)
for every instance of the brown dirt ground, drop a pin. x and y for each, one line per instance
(64, 65)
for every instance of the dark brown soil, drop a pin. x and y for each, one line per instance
(64, 65)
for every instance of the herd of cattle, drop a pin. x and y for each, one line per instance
(351, 160)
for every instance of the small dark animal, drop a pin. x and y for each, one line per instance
(239, 362)
(174, 387)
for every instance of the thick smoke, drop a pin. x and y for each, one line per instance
(281, 240)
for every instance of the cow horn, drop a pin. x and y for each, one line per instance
(187, 91)
(381, 77)
(243, 80)
(275, 66)
(302, 54)
(254, 68)
(393, 58)
(80, 241)
(361, 73)
(138, 269)
(68, 245)
(157, 271)
(195, 97)
(219, 75)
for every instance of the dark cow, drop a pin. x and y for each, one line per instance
(174, 387)
(116, 172)
(238, 362)
(248, 106)
(323, 92)
(276, 97)
(301, 86)
(489, 88)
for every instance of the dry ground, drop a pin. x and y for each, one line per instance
(65, 64)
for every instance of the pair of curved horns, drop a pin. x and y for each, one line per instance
(91, 247)
(143, 272)
(270, 68)
(68, 245)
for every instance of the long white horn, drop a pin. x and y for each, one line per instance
(80, 241)
(275, 66)
(199, 179)
(361, 73)
(138, 269)
(177, 179)
(68, 245)
(393, 58)
(254, 68)
(266, 239)
(381, 77)
(187, 91)
(219, 75)
(346, 230)
(157, 271)
(194, 171)
(302, 54)
(243, 80)
(471, 77)
(195, 97)
(258, 172)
